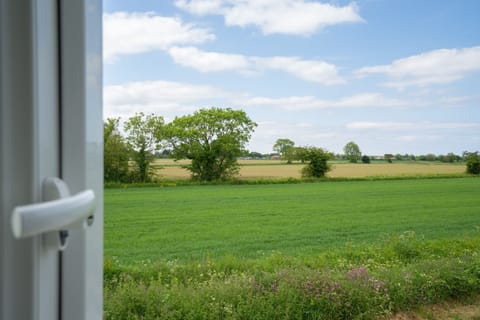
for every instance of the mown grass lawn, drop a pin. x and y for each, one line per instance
(248, 221)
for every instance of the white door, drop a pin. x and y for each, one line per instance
(50, 129)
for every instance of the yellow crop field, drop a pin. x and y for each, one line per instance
(352, 170)
(255, 169)
(393, 169)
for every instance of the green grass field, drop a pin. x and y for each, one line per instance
(249, 221)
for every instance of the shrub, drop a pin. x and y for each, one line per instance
(317, 165)
(473, 163)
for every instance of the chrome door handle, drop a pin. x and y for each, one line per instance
(53, 218)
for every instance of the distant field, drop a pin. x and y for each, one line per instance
(299, 219)
(253, 169)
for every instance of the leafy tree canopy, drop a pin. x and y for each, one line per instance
(144, 136)
(213, 139)
(352, 152)
(286, 148)
(473, 162)
(283, 145)
(301, 153)
(115, 159)
(317, 165)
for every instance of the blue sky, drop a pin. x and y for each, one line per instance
(395, 76)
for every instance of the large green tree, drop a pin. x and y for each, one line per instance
(317, 165)
(144, 136)
(286, 148)
(115, 157)
(352, 152)
(212, 139)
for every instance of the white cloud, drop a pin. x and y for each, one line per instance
(366, 125)
(308, 70)
(297, 17)
(159, 97)
(362, 100)
(371, 100)
(434, 67)
(365, 100)
(132, 33)
(207, 61)
(166, 97)
(172, 98)
(204, 61)
(288, 103)
(201, 7)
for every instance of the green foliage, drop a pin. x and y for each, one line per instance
(388, 157)
(449, 158)
(213, 139)
(286, 148)
(428, 157)
(255, 155)
(115, 159)
(144, 134)
(317, 165)
(353, 282)
(365, 159)
(473, 163)
(352, 152)
(301, 153)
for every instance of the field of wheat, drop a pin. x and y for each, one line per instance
(258, 169)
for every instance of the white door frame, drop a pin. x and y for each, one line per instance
(50, 125)
(82, 152)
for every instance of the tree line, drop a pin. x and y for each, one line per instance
(212, 139)
(288, 151)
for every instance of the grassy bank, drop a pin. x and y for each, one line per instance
(355, 282)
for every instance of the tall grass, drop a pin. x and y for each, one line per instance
(354, 282)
